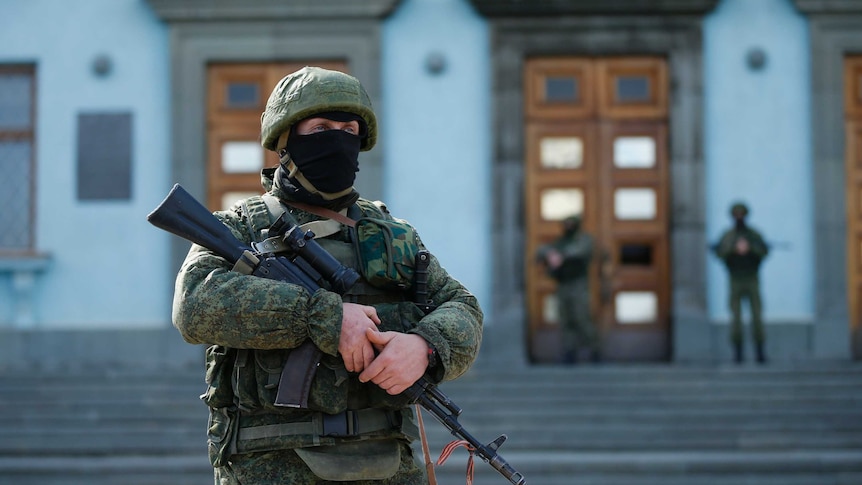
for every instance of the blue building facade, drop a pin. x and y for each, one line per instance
(106, 106)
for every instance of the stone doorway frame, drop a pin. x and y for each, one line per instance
(600, 28)
(833, 32)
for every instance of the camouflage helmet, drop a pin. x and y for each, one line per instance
(313, 90)
(740, 208)
(572, 223)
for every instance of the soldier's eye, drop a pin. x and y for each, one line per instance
(352, 128)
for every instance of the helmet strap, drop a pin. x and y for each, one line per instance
(294, 173)
(281, 143)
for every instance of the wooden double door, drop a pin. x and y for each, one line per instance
(596, 135)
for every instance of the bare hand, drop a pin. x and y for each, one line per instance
(353, 344)
(553, 259)
(403, 359)
(742, 246)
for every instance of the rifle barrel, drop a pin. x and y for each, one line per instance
(432, 400)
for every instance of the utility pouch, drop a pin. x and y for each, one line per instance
(386, 251)
(221, 432)
(219, 365)
(351, 461)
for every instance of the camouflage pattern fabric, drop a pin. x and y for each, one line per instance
(388, 250)
(214, 305)
(746, 289)
(312, 90)
(573, 301)
(573, 291)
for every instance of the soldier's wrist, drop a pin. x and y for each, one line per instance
(433, 357)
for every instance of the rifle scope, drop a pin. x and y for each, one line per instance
(301, 243)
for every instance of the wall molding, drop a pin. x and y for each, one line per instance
(828, 6)
(208, 11)
(554, 8)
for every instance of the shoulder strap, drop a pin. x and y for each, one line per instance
(377, 207)
(323, 212)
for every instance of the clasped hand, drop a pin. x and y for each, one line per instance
(392, 360)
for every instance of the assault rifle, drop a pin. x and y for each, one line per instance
(292, 255)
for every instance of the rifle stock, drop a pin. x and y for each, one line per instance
(182, 215)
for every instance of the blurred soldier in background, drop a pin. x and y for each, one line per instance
(742, 249)
(567, 261)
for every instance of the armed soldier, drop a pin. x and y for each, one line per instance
(375, 343)
(567, 260)
(743, 249)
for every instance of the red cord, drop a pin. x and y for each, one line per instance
(448, 449)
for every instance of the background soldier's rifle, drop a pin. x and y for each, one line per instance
(292, 255)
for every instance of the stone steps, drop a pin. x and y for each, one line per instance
(598, 425)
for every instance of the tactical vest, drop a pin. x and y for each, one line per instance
(242, 383)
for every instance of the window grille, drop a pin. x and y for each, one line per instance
(17, 165)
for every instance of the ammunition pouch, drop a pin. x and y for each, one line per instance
(257, 375)
(386, 251)
(219, 366)
(221, 434)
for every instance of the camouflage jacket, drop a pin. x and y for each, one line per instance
(746, 265)
(214, 305)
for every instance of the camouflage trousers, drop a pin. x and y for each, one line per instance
(285, 467)
(746, 289)
(573, 298)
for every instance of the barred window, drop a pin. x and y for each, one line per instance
(17, 166)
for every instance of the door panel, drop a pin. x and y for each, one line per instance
(853, 189)
(236, 97)
(602, 154)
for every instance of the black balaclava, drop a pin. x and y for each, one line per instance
(571, 226)
(320, 168)
(327, 160)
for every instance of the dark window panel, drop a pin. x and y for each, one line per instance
(561, 89)
(15, 196)
(633, 89)
(16, 101)
(243, 95)
(636, 254)
(104, 156)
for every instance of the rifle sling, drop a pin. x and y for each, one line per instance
(294, 386)
(322, 212)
